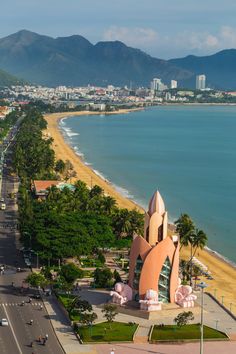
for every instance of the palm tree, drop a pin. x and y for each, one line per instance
(189, 235)
(199, 240)
(108, 204)
(185, 228)
(121, 222)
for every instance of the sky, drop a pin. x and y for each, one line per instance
(164, 29)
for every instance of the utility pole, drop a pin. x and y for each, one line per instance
(202, 285)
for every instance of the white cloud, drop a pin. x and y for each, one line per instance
(176, 44)
(228, 36)
(136, 37)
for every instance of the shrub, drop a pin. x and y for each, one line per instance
(183, 318)
(102, 277)
(71, 272)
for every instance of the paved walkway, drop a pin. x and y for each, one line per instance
(190, 348)
(214, 315)
(62, 328)
(70, 344)
(142, 334)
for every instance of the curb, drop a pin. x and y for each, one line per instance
(222, 306)
(53, 327)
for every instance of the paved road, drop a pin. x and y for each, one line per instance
(16, 338)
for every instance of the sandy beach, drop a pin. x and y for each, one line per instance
(223, 273)
(84, 173)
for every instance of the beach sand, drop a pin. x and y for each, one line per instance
(65, 152)
(223, 273)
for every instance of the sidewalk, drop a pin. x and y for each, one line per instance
(71, 345)
(63, 331)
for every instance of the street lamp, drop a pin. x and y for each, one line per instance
(222, 297)
(191, 258)
(217, 321)
(202, 286)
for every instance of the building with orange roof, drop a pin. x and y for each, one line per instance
(40, 188)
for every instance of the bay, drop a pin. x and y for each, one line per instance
(188, 153)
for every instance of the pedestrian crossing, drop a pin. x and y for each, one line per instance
(39, 304)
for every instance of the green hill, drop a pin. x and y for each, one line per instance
(75, 61)
(8, 79)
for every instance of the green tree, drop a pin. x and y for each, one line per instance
(60, 166)
(189, 235)
(110, 312)
(185, 228)
(102, 277)
(101, 257)
(117, 277)
(96, 191)
(121, 223)
(36, 280)
(199, 240)
(88, 318)
(71, 272)
(184, 318)
(108, 205)
(68, 170)
(81, 306)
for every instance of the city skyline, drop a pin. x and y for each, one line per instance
(162, 30)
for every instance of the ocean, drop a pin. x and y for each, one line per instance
(188, 153)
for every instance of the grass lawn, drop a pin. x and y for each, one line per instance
(101, 332)
(91, 262)
(66, 300)
(188, 332)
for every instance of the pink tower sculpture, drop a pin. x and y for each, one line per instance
(154, 258)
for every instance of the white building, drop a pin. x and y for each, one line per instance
(155, 84)
(173, 84)
(201, 82)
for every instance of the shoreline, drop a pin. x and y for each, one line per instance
(196, 104)
(83, 170)
(222, 270)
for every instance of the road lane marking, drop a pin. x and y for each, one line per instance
(17, 343)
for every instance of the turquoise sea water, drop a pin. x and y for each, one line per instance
(187, 153)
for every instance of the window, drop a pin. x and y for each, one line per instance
(164, 282)
(137, 272)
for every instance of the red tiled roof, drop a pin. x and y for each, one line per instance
(41, 186)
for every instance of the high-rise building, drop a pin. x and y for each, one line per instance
(155, 84)
(173, 84)
(201, 82)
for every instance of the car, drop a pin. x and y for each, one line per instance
(36, 296)
(2, 200)
(4, 322)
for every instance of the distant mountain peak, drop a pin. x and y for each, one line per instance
(73, 60)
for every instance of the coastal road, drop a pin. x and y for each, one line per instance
(17, 337)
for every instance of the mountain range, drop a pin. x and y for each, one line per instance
(74, 61)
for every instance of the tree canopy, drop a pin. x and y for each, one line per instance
(69, 222)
